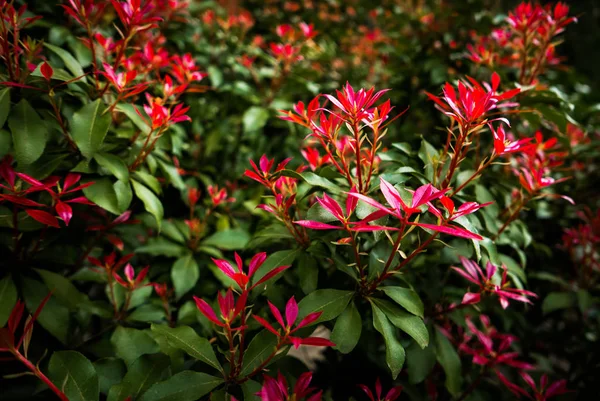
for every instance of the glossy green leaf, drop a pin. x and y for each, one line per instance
(274, 260)
(8, 295)
(152, 204)
(130, 343)
(131, 113)
(184, 386)
(5, 142)
(347, 329)
(89, 126)
(558, 300)
(419, 362)
(229, 239)
(255, 118)
(186, 339)
(54, 317)
(110, 372)
(259, 349)
(408, 323)
(149, 180)
(62, 288)
(450, 361)
(141, 374)
(394, 352)
(114, 164)
(29, 132)
(70, 62)
(4, 105)
(75, 375)
(406, 298)
(184, 274)
(103, 194)
(331, 302)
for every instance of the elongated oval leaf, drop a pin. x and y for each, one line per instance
(186, 339)
(330, 302)
(259, 349)
(75, 375)
(29, 132)
(143, 373)
(394, 352)
(89, 126)
(4, 105)
(184, 274)
(70, 62)
(130, 343)
(229, 239)
(103, 194)
(184, 386)
(114, 164)
(410, 324)
(8, 295)
(347, 329)
(151, 202)
(406, 298)
(450, 361)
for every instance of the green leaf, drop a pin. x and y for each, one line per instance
(406, 298)
(229, 240)
(89, 126)
(149, 180)
(186, 339)
(557, 301)
(129, 111)
(308, 273)
(4, 105)
(114, 164)
(75, 375)
(143, 373)
(419, 362)
(29, 132)
(259, 349)
(394, 352)
(161, 247)
(318, 181)
(249, 389)
(450, 361)
(151, 202)
(347, 329)
(408, 323)
(54, 317)
(274, 260)
(70, 62)
(8, 295)
(184, 274)
(110, 372)
(255, 118)
(184, 386)
(490, 248)
(103, 194)
(123, 194)
(62, 288)
(330, 302)
(130, 344)
(5, 142)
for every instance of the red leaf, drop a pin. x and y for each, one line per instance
(47, 71)
(20, 200)
(452, 230)
(64, 211)
(43, 217)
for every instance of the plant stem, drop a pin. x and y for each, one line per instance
(34, 369)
